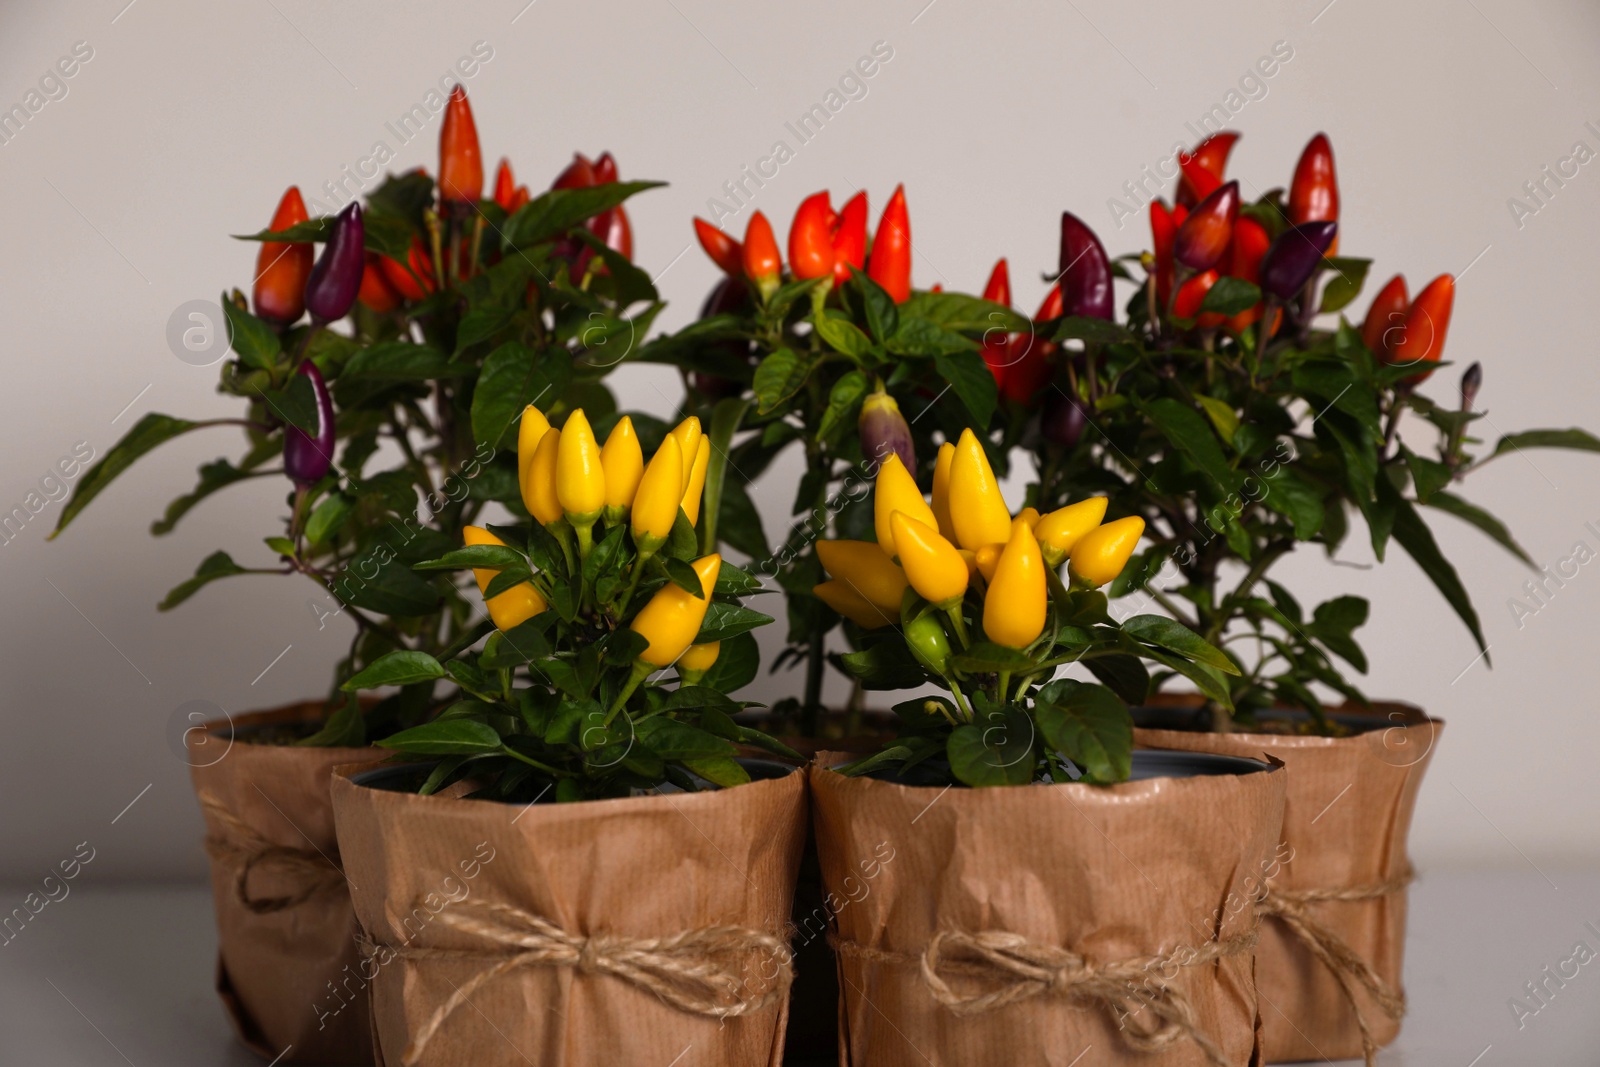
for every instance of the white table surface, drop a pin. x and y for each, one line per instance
(120, 976)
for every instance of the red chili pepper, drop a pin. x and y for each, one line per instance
(1386, 316)
(421, 263)
(612, 227)
(505, 186)
(460, 164)
(850, 238)
(810, 240)
(579, 174)
(1191, 294)
(997, 343)
(376, 292)
(605, 169)
(1314, 194)
(1250, 243)
(519, 199)
(282, 267)
(890, 262)
(1209, 158)
(1030, 356)
(1421, 339)
(1163, 227)
(1202, 240)
(724, 251)
(762, 262)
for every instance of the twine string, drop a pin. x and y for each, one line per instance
(244, 849)
(1006, 968)
(696, 971)
(1292, 907)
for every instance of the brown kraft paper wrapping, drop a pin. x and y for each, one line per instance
(286, 935)
(1348, 815)
(587, 899)
(1111, 874)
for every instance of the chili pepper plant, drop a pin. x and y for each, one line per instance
(431, 316)
(962, 594)
(829, 355)
(1232, 416)
(607, 671)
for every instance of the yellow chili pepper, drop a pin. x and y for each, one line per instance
(894, 491)
(516, 605)
(688, 435)
(1100, 554)
(580, 479)
(539, 490)
(623, 462)
(931, 563)
(697, 480)
(1014, 606)
(941, 489)
(696, 660)
(1061, 529)
(986, 558)
(530, 432)
(977, 510)
(868, 570)
(1029, 516)
(839, 596)
(673, 616)
(655, 505)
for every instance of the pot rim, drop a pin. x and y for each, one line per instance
(1155, 760)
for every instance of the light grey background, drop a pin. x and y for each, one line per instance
(191, 117)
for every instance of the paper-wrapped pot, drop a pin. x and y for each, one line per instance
(287, 954)
(591, 934)
(1029, 924)
(1333, 935)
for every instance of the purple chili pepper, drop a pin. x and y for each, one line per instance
(1063, 420)
(306, 459)
(1085, 271)
(336, 278)
(1294, 257)
(1202, 240)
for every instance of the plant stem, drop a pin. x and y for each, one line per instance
(641, 670)
(960, 624)
(725, 420)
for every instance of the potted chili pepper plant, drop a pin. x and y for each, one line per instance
(375, 348)
(1024, 860)
(1222, 414)
(630, 872)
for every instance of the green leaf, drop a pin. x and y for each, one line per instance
(1188, 433)
(1428, 476)
(1088, 725)
(147, 433)
(474, 556)
(1083, 328)
(1221, 414)
(843, 336)
(217, 565)
(739, 524)
(327, 517)
(885, 665)
(513, 648)
(1415, 537)
(446, 737)
(397, 668)
(345, 728)
(1471, 513)
(513, 377)
(722, 771)
(252, 340)
(1230, 296)
(1348, 277)
(392, 589)
(214, 476)
(1175, 637)
(996, 749)
(883, 317)
(919, 337)
(738, 662)
(963, 313)
(1582, 440)
(736, 581)
(728, 620)
(674, 740)
(780, 376)
(1296, 499)
(972, 382)
(986, 657)
(400, 361)
(552, 213)
(844, 401)
(682, 574)
(1125, 676)
(295, 403)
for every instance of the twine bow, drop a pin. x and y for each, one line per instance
(1292, 908)
(697, 971)
(244, 849)
(1009, 968)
